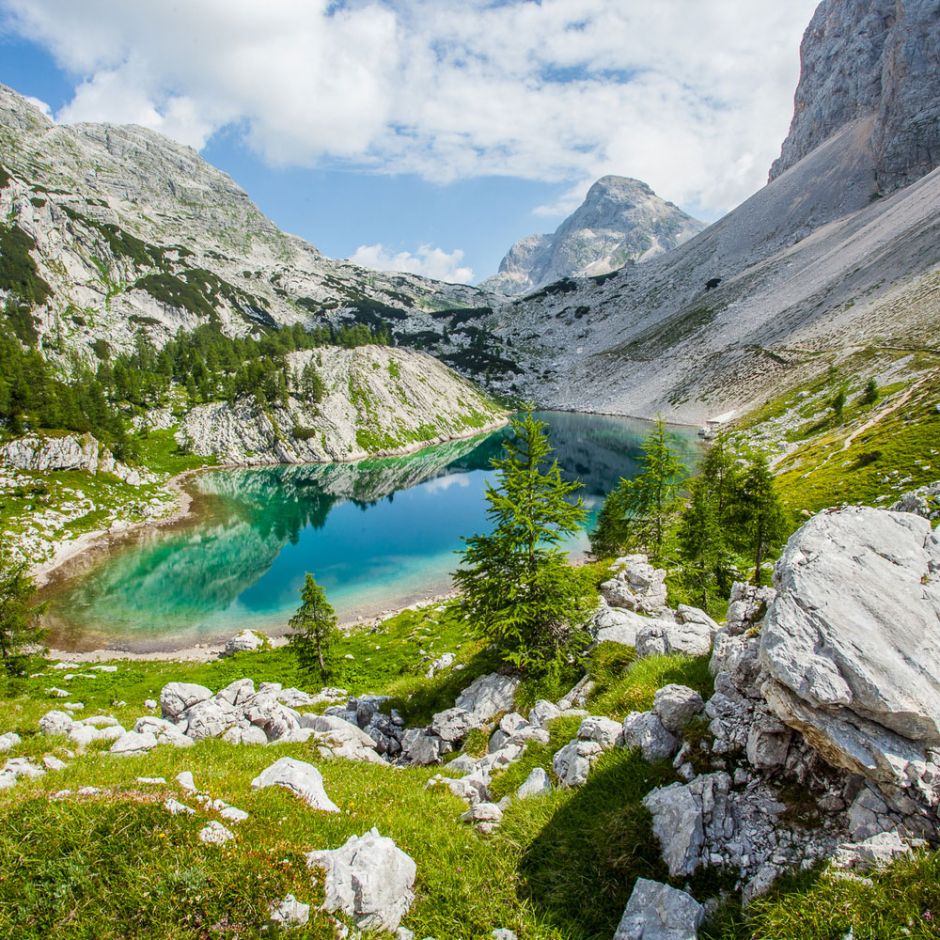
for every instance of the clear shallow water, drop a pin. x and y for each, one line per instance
(376, 534)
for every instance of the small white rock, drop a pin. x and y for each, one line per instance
(214, 833)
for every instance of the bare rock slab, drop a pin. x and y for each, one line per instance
(851, 644)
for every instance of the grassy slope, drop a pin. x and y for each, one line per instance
(900, 451)
(560, 867)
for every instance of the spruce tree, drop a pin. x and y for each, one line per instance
(518, 588)
(20, 632)
(871, 393)
(762, 522)
(706, 529)
(639, 512)
(313, 630)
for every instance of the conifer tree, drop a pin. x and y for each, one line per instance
(518, 588)
(706, 530)
(762, 522)
(20, 632)
(870, 395)
(639, 512)
(313, 630)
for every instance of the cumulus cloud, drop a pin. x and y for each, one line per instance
(694, 98)
(425, 260)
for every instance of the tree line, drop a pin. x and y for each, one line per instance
(205, 363)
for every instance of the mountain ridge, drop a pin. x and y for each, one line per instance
(620, 221)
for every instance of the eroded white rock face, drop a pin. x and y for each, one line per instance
(300, 778)
(851, 645)
(659, 912)
(369, 879)
(69, 452)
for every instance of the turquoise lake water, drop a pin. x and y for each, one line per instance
(376, 535)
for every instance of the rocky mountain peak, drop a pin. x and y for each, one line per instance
(872, 60)
(620, 220)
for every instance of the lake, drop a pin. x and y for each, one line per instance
(377, 535)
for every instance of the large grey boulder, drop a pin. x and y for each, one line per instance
(453, 724)
(676, 705)
(659, 912)
(645, 731)
(617, 624)
(176, 697)
(851, 645)
(488, 695)
(209, 719)
(419, 747)
(9, 741)
(300, 778)
(369, 879)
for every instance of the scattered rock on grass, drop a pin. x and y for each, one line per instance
(290, 912)
(536, 784)
(369, 879)
(659, 912)
(300, 778)
(214, 833)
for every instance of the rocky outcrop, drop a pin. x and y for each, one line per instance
(621, 220)
(924, 501)
(851, 647)
(68, 452)
(135, 232)
(378, 400)
(874, 60)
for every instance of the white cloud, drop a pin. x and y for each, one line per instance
(425, 260)
(694, 98)
(42, 105)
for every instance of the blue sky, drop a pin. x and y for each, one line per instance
(429, 135)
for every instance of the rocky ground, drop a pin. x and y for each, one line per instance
(825, 684)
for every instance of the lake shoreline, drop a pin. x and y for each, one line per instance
(207, 652)
(97, 540)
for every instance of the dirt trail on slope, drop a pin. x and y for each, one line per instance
(902, 399)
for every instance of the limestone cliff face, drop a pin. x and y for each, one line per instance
(378, 401)
(877, 59)
(620, 220)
